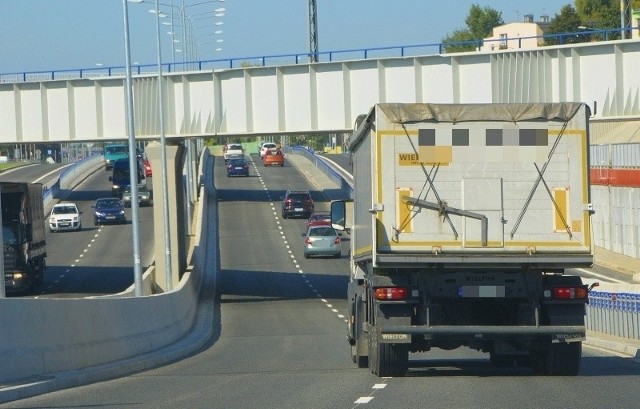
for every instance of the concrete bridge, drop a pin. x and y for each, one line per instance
(322, 97)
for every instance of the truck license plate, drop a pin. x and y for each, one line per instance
(481, 291)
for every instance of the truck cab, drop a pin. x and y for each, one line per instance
(113, 152)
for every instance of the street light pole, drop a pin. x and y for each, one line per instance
(163, 156)
(313, 31)
(133, 178)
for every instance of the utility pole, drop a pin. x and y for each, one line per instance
(313, 31)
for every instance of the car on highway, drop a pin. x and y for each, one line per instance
(108, 210)
(297, 203)
(237, 167)
(273, 157)
(266, 147)
(232, 149)
(322, 241)
(147, 168)
(319, 219)
(144, 196)
(65, 216)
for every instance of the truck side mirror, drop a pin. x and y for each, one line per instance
(338, 213)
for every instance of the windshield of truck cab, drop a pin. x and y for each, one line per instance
(115, 150)
(9, 236)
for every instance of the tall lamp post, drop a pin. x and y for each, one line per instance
(313, 31)
(163, 157)
(133, 180)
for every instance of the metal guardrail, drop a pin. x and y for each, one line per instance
(614, 313)
(585, 35)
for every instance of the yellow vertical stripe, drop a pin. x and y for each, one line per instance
(560, 214)
(404, 222)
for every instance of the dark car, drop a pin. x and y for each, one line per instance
(237, 167)
(297, 203)
(145, 198)
(108, 210)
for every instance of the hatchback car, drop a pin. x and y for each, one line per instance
(65, 216)
(273, 157)
(108, 210)
(319, 219)
(297, 203)
(144, 196)
(147, 168)
(237, 167)
(267, 146)
(322, 241)
(233, 149)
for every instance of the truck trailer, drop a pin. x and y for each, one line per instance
(465, 220)
(23, 236)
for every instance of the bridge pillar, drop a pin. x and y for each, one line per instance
(177, 212)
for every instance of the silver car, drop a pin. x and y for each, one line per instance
(144, 196)
(322, 241)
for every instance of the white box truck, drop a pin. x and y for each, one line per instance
(465, 219)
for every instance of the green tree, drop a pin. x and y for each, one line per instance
(567, 21)
(459, 41)
(480, 23)
(600, 15)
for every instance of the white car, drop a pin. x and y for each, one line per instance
(65, 216)
(233, 149)
(266, 147)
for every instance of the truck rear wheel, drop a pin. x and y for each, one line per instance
(387, 359)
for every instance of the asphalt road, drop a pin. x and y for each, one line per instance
(280, 337)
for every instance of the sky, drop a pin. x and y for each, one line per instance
(48, 35)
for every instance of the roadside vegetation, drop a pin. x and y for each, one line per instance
(585, 16)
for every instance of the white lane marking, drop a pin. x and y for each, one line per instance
(600, 275)
(379, 386)
(363, 399)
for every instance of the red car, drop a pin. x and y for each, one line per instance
(147, 168)
(318, 219)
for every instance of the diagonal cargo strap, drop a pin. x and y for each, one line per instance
(538, 180)
(430, 181)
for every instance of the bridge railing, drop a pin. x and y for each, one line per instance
(584, 35)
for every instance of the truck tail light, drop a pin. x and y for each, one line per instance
(390, 293)
(569, 293)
